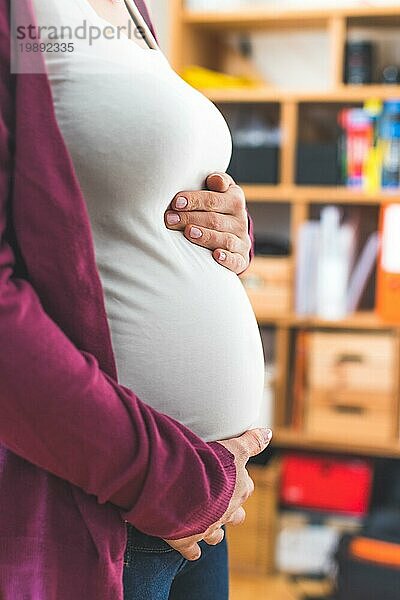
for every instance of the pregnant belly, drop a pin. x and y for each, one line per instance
(186, 339)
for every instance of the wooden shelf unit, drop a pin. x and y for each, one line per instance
(197, 38)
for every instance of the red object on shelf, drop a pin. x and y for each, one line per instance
(326, 484)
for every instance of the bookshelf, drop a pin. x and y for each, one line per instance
(197, 37)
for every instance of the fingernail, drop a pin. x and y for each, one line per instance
(267, 435)
(173, 218)
(217, 175)
(195, 232)
(181, 202)
(222, 256)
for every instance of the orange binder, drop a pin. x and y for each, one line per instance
(376, 551)
(388, 281)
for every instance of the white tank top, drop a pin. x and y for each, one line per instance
(184, 334)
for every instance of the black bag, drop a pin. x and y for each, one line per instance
(369, 562)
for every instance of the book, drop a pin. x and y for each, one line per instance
(362, 272)
(307, 267)
(299, 380)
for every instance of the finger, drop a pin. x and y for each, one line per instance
(202, 236)
(213, 528)
(238, 517)
(191, 553)
(188, 551)
(215, 538)
(250, 485)
(209, 220)
(219, 182)
(249, 444)
(255, 441)
(230, 202)
(231, 260)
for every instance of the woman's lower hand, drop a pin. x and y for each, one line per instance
(215, 218)
(243, 447)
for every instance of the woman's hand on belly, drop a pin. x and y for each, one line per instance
(216, 219)
(243, 447)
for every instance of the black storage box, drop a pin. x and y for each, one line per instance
(254, 164)
(317, 164)
(375, 576)
(359, 62)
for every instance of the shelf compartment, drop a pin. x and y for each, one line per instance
(317, 155)
(272, 228)
(254, 163)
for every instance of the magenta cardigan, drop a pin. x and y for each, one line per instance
(79, 452)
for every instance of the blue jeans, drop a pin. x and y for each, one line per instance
(154, 571)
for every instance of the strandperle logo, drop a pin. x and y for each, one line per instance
(37, 34)
(85, 31)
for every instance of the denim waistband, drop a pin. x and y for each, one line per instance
(137, 541)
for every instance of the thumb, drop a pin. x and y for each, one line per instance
(219, 182)
(255, 441)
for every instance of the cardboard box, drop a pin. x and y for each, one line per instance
(352, 361)
(352, 387)
(351, 415)
(268, 282)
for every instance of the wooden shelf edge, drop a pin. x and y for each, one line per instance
(316, 194)
(256, 17)
(261, 192)
(287, 438)
(344, 93)
(262, 17)
(362, 320)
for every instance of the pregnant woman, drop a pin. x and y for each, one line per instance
(183, 334)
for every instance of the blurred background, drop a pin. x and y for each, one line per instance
(311, 92)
